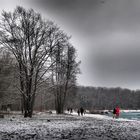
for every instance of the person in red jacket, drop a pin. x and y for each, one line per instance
(117, 112)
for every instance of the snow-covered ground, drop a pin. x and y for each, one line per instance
(70, 126)
(130, 110)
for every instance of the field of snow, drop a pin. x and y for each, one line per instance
(68, 127)
(130, 110)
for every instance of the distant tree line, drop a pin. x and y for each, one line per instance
(7, 72)
(98, 98)
(107, 98)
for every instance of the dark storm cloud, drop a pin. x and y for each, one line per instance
(76, 14)
(106, 35)
(119, 66)
(93, 16)
(67, 4)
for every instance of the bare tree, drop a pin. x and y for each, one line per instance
(32, 41)
(64, 73)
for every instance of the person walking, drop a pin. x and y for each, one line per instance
(78, 111)
(71, 110)
(117, 112)
(81, 111)
(114, 113)
(68, 110)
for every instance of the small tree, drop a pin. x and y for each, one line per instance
(64, 73)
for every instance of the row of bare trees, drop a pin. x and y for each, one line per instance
(107, 98)
(43, 54)
(5, 72)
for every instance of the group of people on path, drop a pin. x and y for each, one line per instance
(80, 111)
(70, 110)
(116, 112)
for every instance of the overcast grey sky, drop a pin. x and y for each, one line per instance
(106, 34)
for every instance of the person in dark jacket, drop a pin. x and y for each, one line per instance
(114, 113)
(71, 110)
(68, 110)
(78, 111)
(81, 111)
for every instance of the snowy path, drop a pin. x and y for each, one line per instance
(68, 127)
